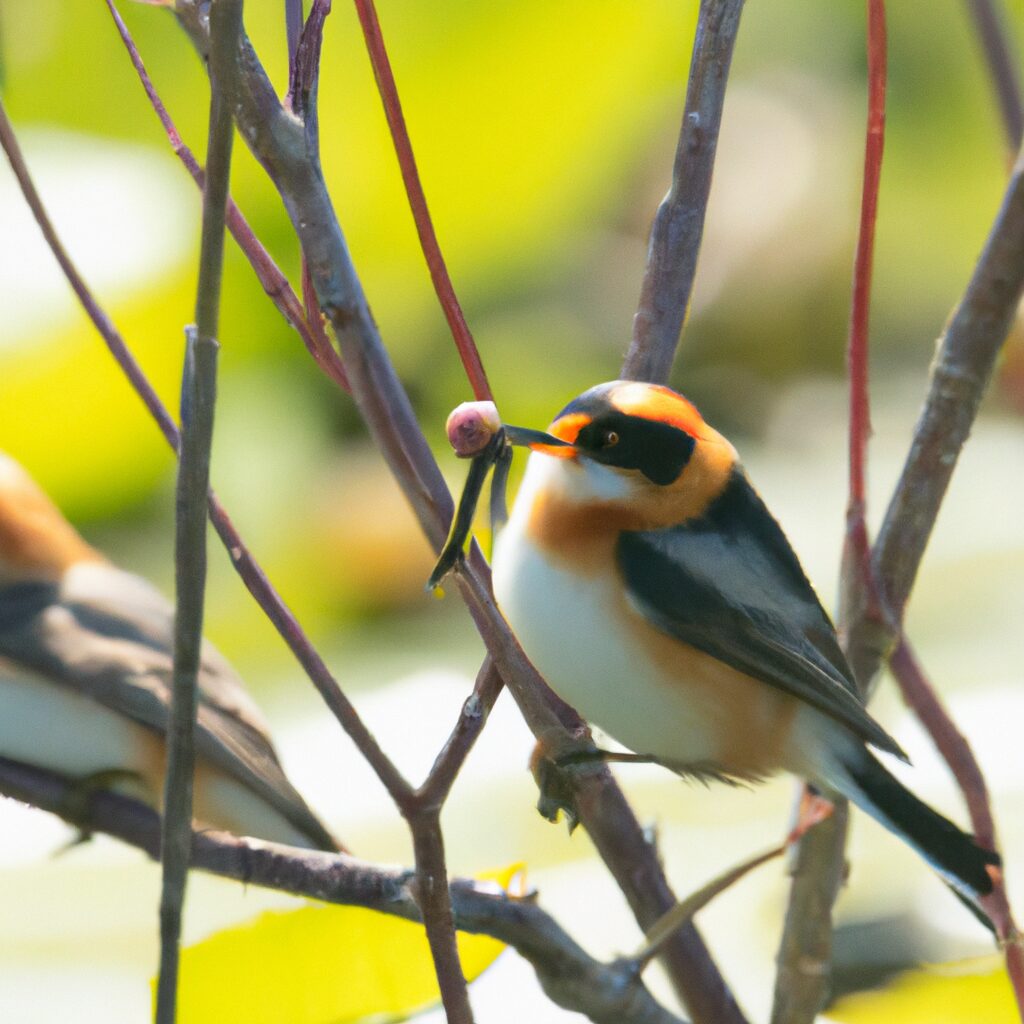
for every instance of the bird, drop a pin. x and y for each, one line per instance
(649, 584)
(86, 658)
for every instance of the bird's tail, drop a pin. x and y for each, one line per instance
(954, 854)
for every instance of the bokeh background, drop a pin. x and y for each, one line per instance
(544, 133)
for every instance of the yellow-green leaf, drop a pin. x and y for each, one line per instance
(946, 995)
(320, 964)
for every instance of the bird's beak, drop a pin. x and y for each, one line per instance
(539, 441)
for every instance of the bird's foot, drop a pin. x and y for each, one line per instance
(77, 803)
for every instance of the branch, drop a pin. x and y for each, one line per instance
(274, 283)
(679, 223)
(278, 141)
(1003, 66)
(957, 753)
(198, 399)
(418, 202)
(606, 993)
(961, 371)
(805, 952)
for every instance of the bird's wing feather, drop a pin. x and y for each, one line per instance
(113, 650)
(730, 585)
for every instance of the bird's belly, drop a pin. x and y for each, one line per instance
(652, 693)
(53, 727)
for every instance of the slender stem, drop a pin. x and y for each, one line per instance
(274, 283)
(472, 719)
(434, 901)
(198, 399)
(103, 323)
(418, 201)
(956, 751)
(960, 373)
(857, 345)
(804, 959)
(679, 223)
(1003, 65)
(293, 19)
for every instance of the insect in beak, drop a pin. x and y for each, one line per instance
(497, 452)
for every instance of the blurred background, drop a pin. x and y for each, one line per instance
(544, 134)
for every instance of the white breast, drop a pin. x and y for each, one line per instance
(573, 630)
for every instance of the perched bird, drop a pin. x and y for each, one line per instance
(655, 592)
(85, 680)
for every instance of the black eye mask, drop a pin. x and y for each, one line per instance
(657, 450)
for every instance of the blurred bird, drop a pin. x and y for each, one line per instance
(85, 681)
(655, 592)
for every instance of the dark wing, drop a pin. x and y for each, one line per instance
(84, 633)
(730, 585)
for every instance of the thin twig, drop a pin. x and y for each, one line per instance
(293, 20)
(802, 981)
(679, 223)
(472, 719)
(418, 201)
(242, 559)
(1003, 66)
(274, 283)
(685, 910)
(607, 993)
(198, 399)
(103, 323)
(278, 142)
(957, 753)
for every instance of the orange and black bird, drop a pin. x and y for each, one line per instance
(85, 681)
(655, 592)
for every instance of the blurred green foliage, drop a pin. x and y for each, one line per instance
(544, 133)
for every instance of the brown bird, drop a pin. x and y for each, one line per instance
(85, 681)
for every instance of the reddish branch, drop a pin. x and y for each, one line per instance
(805, 952)
(957, 753)
(418, 201)
(679, 223)
(857, 346)
(274, 283)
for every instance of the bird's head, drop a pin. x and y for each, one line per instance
(36, 542)
(640, 453)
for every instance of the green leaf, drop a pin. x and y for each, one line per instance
(320, 964)
(949, 994)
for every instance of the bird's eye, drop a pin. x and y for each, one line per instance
(609, 439)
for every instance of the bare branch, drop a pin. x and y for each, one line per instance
(274, 283)
(963, 365)
(606, 993)
(278, 141)
(198, 399)
(1003, 66)
(418, 202)
(957, 753)
(679, 223)
(801, 984)
(472, 719)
